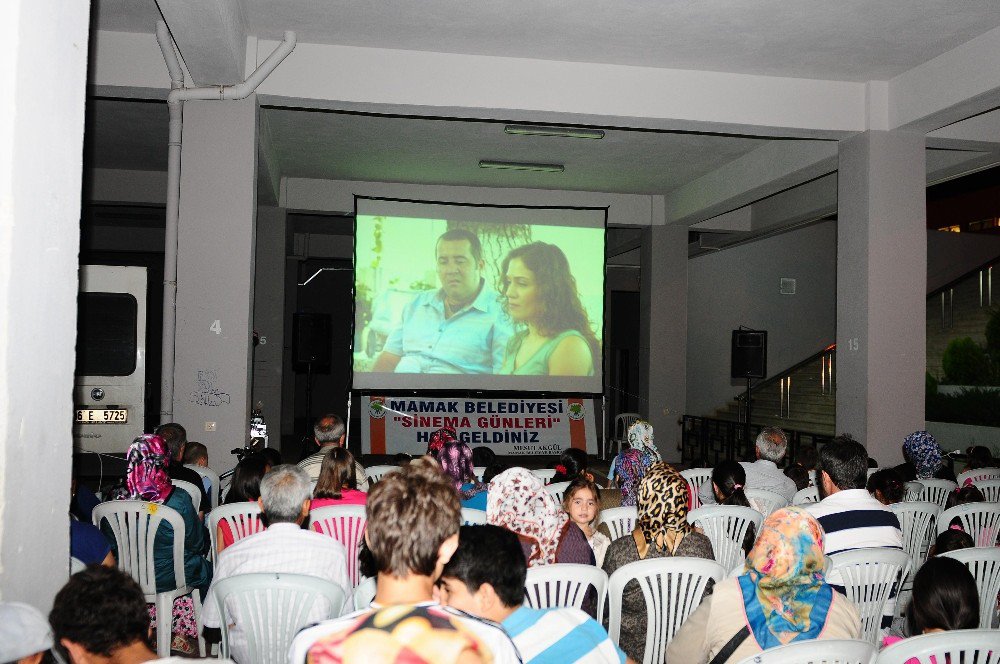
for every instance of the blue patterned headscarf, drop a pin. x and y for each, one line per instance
(924, 453)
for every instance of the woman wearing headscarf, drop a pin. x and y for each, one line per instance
(924, 460)
(455, 458)
(518, 501)
(632, 467)
(640, 439)
(662, 531)
(782, 597)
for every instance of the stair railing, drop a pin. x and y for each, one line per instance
(784, 381)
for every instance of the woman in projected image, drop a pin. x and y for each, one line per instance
(554, 336)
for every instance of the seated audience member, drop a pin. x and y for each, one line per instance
(337, 484)
(175, 437)
(963, 495)
(89, 545)
(329, 432)
(571, 465)
(952, 539)
(798, 474)
(851, 517)
(582, 502)
(25, 635)
(518, 501)
(782, 598)
(485, 578)
(770, 448)
(196, 454)
(483, 456)
(493, 470)
(728, 478)
(924, 460)
(82, 499)
(244, 488)
(629, 471)
(662, 531)
(805, 456)
(455, 458)
(979, 457)
(640, 439)
(886, 486)
(945, 598)
(401, 459)
(283, 547)
(409, 562)
(273, 456)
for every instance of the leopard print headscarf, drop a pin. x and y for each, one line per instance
(663, 509)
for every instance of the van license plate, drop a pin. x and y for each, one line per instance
(102, 416)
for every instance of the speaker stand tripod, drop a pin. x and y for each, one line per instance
(746, 430)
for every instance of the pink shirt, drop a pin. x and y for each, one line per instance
(348, 497)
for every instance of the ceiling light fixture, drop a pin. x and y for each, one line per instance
(565, 132)
(521, 166)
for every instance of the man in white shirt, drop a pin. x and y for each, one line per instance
(329, 432)
(283, 547)
(413, 520)
(771, 446)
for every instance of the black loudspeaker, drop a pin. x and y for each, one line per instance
(749, 354)
(311, 342)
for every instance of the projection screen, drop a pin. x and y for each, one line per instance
(452, 297)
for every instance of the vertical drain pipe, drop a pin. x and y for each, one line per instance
(178, 95)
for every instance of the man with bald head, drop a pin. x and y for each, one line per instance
(329, 432)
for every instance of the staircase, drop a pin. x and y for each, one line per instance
(958, 310)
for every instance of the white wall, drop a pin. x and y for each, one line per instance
(739, 286)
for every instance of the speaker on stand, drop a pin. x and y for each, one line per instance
(748, 359)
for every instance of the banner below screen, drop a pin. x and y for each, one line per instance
(512, 427)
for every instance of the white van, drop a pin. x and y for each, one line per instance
(110, 388)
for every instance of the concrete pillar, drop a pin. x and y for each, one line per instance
(663, 304)
(215, 274)
(881, 290)
(269, 317)
(43, 48)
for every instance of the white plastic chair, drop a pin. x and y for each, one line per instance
(765, 502)
(134, 524)
(913, 491)
(726, 526)
(978, 475)
(544, 474)
(916, 519)
(936, 491)
(213, 478)
(191, 490)
(620, 520)
(696, 477)
(812, 478)
(869, 576)
(980, 520)
(557, 490)
(672, 589)
(375, 473)
(479, 470)
(346, 524)
(243, 520)
(872, 471)
(816, 651)
(364, 594)
(990, 489)
(805, 496)
(984, 563)
(620, 433)
(473, 517)
(979, 646)
(564, 585)
(271, 608)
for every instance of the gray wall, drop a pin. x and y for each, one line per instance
(739, 286)
(268, 318)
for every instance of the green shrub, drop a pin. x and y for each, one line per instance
(966, 363)
(974, 406)
(930, 383)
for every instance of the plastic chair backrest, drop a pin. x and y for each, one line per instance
(473, 517)
(76, 565)
(980, 520)
(990, 489)
(134, 524)
(672, 589)
(213, 478)
(868, 578)
(696, 477)
(620, 520)
(812, 478)
(984, 563)
(243, 520)
(725, 526)
(271, 608)
(375, 473)
(564, 585)
(810, 494)
(191, 490)
(544, 474)
(872, 471)
(981, 646)
(557, 490)
(936, 491)
(825, 651)
(913, 491)
(479, 470)
(365, 593)
(346, 524)
(916, 519)
(622, 423)
(764, 501)
(978, 475)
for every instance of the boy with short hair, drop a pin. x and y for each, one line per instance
(196, 454)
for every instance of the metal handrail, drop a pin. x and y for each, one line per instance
(782, 374)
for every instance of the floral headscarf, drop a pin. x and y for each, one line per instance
(518, 501)
(662, 510)
(640, 437)
(924, 453)
(784, 589)
(146, 477)
(439, 438)
(631, 467)
(456, 460)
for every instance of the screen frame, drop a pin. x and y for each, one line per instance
(478, 391)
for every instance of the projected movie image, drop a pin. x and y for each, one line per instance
(456, 303)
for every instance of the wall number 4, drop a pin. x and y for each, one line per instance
(216, 326)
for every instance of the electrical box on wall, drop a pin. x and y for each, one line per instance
(787, 286)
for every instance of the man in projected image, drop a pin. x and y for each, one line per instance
(460, 328)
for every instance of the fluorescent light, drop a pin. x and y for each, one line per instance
(565, 132)
(522, 166)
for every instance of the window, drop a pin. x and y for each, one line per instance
(106, 334)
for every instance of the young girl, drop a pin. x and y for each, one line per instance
(583, 504)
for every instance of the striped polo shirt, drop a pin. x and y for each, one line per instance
(560, 636)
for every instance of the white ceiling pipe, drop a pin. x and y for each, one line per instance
(178, 95)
